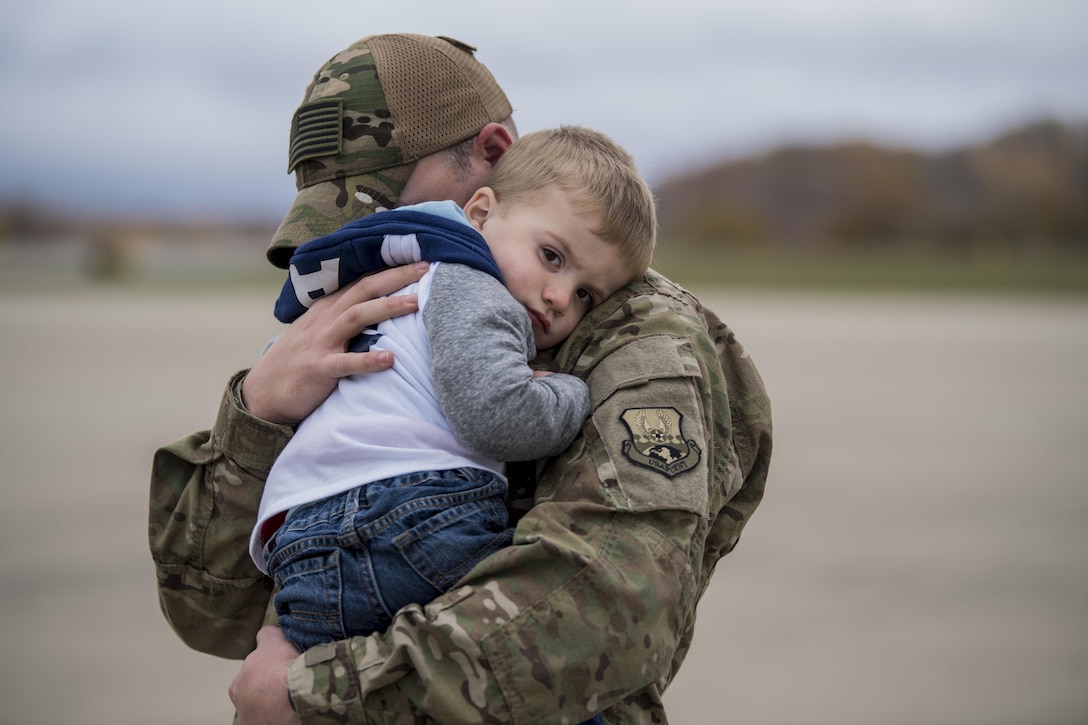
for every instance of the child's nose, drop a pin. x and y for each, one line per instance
(557, 297)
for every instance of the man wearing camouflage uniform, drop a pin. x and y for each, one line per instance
(593, 607)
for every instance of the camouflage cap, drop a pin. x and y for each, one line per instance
(368, 115)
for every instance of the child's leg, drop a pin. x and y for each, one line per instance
(424, 531)
(307, 559)
(345, 565)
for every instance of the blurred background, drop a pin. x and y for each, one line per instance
(887, 201)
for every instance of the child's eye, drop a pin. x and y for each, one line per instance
(585, 296)
(551, 257)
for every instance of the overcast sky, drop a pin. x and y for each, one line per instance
(184, 107)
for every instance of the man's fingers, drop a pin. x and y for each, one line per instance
(259, 690)
(373, 286)
(370, 312)
(300, 370)
(268, 634)
(358, 363)
(383, 283)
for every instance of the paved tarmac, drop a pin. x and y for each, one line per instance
(920, 557)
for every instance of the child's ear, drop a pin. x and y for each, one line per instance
(480, 206)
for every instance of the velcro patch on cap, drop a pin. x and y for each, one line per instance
(316, 131)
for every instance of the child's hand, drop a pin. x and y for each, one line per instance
(541, 373)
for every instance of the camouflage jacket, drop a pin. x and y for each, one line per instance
(592, 608)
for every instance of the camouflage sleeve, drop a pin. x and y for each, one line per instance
(590, 606)
(204, 495)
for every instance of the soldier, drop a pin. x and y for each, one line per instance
(593, 606)
(418, 453)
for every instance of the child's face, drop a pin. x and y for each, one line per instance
(551, 260)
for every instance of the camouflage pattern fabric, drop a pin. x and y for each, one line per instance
(370, 112)
(205, 490)
(592, 608)
(344, 123)
(317, 212)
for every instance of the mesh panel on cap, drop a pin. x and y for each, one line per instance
(438, 92)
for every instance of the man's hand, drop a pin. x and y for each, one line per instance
(259, 691)
(299, 371)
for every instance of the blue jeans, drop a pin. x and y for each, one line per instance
(343, 566)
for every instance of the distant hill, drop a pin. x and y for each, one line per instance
(1028, 187)
(1025, 189)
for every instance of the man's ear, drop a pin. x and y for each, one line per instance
(491, 143)
(480, 206)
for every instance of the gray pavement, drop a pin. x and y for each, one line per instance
(920, 556)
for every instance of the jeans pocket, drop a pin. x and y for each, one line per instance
(444, 547)
(308, 595)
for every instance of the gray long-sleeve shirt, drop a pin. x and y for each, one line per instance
(481, 342)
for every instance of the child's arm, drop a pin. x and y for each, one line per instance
(481, 342)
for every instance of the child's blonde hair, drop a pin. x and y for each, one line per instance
(597, 174)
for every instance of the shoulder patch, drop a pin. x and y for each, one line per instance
(657, 440)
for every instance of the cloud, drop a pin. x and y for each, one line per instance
(186, 106)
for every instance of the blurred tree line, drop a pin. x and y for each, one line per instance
(1026, 190)
(108, 245)
(1021, 195)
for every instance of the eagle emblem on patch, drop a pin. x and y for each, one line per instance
(657, 440)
